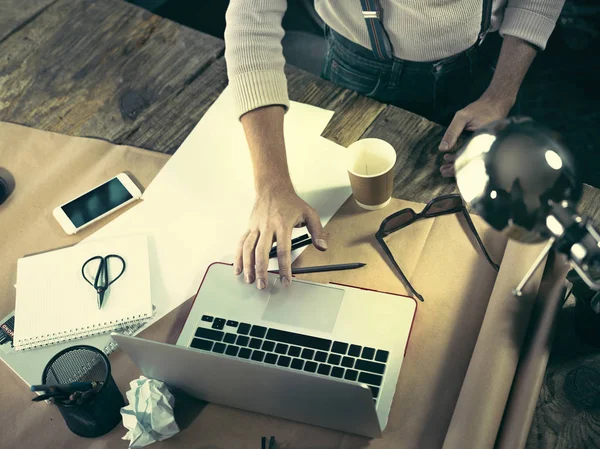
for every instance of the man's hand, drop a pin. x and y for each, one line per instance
(276, 212)
(471, 118)
(515, 58)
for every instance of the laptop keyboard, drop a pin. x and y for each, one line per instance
(292, 350)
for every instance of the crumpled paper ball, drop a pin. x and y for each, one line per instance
(149, 415)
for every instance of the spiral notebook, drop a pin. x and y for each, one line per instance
(54, 303)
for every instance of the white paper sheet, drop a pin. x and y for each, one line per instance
(199, 204)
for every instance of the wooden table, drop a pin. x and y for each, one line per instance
(110, 70)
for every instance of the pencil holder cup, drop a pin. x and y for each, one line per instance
(100, 411)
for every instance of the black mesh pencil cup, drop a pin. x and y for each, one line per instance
(100, 411)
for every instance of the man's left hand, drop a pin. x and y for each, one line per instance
(471, 118)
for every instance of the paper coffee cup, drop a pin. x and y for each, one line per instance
(370, 168)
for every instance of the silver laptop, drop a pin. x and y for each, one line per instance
(327, 355)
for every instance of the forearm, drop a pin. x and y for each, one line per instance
(515, 59)
(264, 133)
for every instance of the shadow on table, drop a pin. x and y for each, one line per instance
(187, 408)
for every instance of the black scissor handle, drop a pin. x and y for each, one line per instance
(102, 271)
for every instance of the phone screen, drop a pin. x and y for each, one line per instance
(96, 202)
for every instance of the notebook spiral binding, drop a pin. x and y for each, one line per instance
(128, 328)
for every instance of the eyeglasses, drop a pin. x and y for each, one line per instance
(443, 205)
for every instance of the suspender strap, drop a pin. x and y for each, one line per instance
(380, 41)
(486, 21)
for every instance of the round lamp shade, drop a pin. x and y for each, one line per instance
(511, 171)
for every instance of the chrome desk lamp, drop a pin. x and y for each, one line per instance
(517, 176)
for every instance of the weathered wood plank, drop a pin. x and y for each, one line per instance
(15, 14)
(166, 125)
(93, 68)
(416, 140)
(354, 113)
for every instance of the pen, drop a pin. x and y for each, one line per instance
(66, 388)
(322, 268)
(298, 242)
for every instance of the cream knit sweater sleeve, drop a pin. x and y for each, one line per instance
(254, 54)
(531, 20)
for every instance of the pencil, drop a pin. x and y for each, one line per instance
(322, 268)
(298, 242)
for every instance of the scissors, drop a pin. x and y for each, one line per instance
(101, 282)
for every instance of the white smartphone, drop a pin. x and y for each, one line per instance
(96, 203)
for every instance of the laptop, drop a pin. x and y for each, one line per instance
(322, 354)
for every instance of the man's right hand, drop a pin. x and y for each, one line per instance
(276, 212)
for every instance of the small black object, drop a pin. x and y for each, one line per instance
(339, 347)
(229, 338)
(354, 350)
(218, 323)
(368, 353)
(242, 340)
(258, 331)
(97, 411)
(381, 356)
(101, 280)
(244, 328)
(232, 323)
(4, 190)
(337, 372)
(245, 353)
(219, 348)
(207, 318)
(294, 351)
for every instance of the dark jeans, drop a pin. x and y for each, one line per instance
(434, 90)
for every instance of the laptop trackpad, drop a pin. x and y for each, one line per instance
(310, 306)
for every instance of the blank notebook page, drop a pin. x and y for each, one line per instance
(54, 303)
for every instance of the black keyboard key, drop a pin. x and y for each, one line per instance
(255, 343)
(232, 323)
(351, 374)
(374, 390)
(354, 350)
(297, 363)
(218, 323)
(242, 340)
(281, 348)
(334, 359)
(258, 356)
(337, 372)
(268, 346)
(348, 362)
(324, 369)
(382, 356)
(284, 361)
(371, 379)
(219, 348)
(310, 367)
(294, 351)
(244, 328)
(229, 338)
(199, 343)
(232, 350)
(339, 347)
(368, 353)
(258, 331)
(321, 356)
(299, 339)
(308, 354)
(245, 353)
(271, 358)
(372, 367)
(209, 334)
(207, 318)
